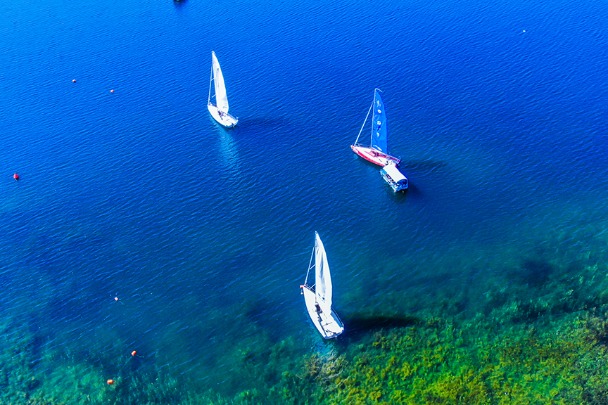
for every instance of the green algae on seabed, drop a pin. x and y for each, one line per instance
(522, 339)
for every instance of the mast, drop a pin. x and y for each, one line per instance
(309, 266)
(366, 117)
(371, 135)
(210, 81)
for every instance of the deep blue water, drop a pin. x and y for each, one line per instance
(497, 111)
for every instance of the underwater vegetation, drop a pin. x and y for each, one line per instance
(538, 335)
(532, 332)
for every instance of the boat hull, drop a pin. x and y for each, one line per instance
(329, 325)
(374, 156)
(224, 119)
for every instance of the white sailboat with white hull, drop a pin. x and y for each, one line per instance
(318, 296)
(219, 110)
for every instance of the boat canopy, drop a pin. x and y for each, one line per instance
(394, 173)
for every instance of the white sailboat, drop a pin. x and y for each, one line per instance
(318, 296)
(219, 110)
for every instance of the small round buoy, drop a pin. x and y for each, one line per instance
(112, 91)
(16, 176)
(73, 80)
(115, 298)
(133, 353)
(110, 381)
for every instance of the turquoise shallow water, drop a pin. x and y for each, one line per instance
(204, 235)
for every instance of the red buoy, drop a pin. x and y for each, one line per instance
(16, 176)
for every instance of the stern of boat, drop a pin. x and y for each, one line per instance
(224, 119)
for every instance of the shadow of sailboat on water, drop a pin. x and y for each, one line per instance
(359, 325)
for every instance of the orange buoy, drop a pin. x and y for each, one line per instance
(133, 353)
(16, 176)
(110, 381)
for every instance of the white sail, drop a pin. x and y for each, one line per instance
(221, 98)
(318, 297)
(323, 286)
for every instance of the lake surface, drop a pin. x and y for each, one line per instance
(139, 224)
